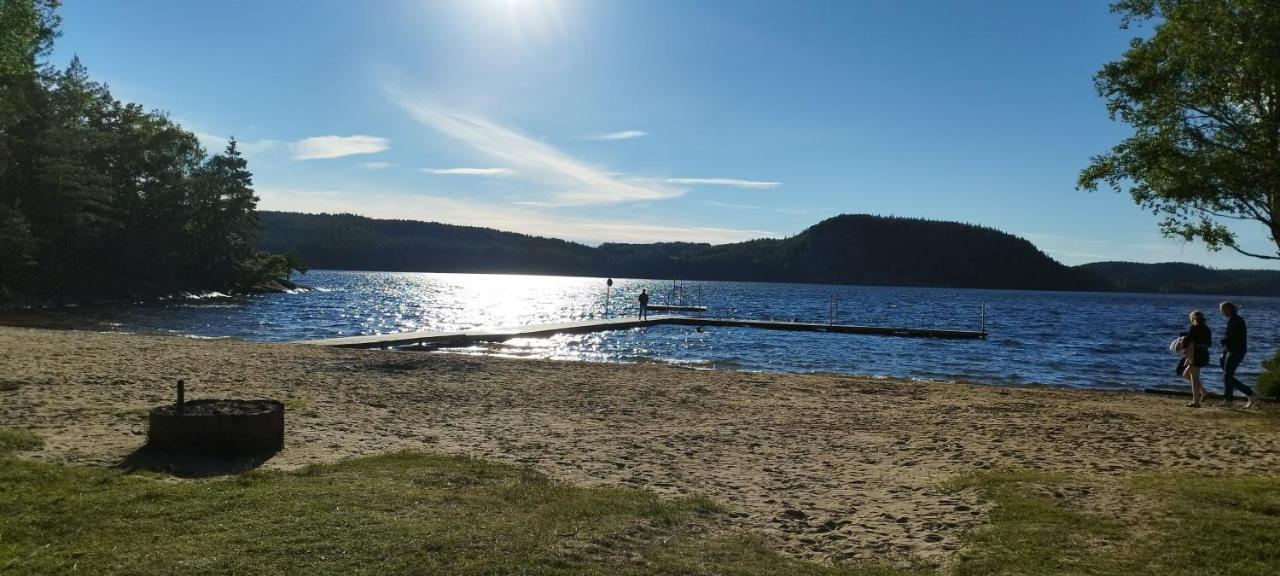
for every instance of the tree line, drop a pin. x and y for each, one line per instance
(849, 249)
(103, 198)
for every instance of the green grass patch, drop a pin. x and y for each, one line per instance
(13, 440)
(1215, 524)
(394, 514)
(1030, 531)
(1188, 524)
(410, 513)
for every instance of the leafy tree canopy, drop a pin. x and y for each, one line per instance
(1202, 93)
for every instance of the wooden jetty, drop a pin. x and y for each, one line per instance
(676, 308)
(466, 337)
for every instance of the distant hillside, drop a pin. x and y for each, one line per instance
(349, 242)
(849, 249)
(1179, 278)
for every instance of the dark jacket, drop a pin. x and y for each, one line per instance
(1202, 339)
(1236, 340)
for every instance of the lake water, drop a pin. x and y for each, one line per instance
(1051, 338)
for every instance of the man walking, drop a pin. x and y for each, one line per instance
(1234, 345)
(644, 304)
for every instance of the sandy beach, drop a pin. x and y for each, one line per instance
(828, 467)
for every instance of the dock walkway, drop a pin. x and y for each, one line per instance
(466, 337)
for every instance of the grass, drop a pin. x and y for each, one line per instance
(395, 514)
(17, 441)
(1195, 525)
(410, 513)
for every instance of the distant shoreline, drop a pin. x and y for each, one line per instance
(849, 249)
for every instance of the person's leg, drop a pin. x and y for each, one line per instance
(1229, 379)
(1228, 389)
(1197, 391)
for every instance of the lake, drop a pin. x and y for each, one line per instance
(1082, 340)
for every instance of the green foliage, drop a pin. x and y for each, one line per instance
(27, 30)
(1203, 96)
(1269, 380)
(858, 249)
(104, 198)
(395, 514)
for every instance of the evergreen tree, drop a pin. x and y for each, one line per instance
(99, 197)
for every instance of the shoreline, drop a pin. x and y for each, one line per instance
(827, 467)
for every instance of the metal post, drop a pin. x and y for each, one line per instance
(181, 396)
(608, 289)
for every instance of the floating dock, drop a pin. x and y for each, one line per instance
(676, 308)
(463, 338)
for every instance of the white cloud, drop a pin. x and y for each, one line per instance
(734, 182)
(523, 218)
(469, 171)
(215, 144)
(323, 147)
(566, 179)
(376, 165)
(621, 135)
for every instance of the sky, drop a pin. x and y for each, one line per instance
(649, 120)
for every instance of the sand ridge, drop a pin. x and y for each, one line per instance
(831, 467)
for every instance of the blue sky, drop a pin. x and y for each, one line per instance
(648, 120)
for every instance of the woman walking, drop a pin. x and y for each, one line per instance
(1196, 355)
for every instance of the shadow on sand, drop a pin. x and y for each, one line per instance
(193, 464)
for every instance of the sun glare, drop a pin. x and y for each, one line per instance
(533, 20)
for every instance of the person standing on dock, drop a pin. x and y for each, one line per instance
(1235, 343)
(644, 304)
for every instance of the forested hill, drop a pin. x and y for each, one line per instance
(1179, 278)
(849, 249)
(349, 242)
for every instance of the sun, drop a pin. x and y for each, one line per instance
(533, 20)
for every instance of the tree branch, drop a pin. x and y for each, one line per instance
(1252, 255)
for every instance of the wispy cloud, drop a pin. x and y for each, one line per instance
(568, 180)
(323, 147)
(526, 219)
(732, 205)
(376, 165)
(250, 148)
(733, 182)
(469, 171)
(620, 135)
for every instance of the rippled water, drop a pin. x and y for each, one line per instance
(1053, 338)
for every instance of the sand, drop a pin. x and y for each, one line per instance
(828, 467)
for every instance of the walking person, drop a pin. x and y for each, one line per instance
(644, 304)
(1235, 343)
(1196, 355)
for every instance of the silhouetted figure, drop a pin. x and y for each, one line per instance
(1195, 355)
(644, 304)
(1235, 343)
